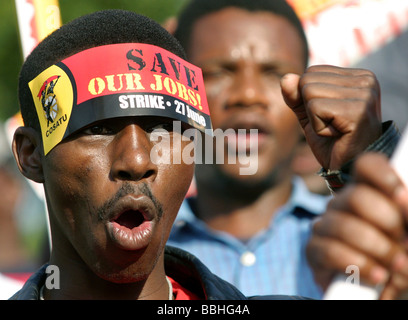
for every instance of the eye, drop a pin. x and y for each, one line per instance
(218, 71)
(166, 125)
(273, 72)
(213, 73)
(98, 130)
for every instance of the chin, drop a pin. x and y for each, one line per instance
(262, 179)
(126, 277)
(123, 266)
(227, 178)
(253, 174)
(130, 274)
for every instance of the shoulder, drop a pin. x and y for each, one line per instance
(191, 273)
(31, 289)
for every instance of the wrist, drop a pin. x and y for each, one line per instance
(336, 179)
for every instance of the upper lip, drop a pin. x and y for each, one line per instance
(140, 203)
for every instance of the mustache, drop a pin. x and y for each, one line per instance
(125, 189)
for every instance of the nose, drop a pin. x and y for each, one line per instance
(131, 155)
(248, 89)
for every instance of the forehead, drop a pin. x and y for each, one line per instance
(239, 33)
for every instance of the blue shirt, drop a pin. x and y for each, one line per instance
(271, 262)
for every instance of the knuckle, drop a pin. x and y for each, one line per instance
(305, 79)
(317, 226)
(354, 198)
(312, 69)
(368, 80)
(308, 92)
(369, 95)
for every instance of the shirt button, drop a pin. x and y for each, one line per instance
(248, 259)
(180, 223)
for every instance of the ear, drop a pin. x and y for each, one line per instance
(26, 147)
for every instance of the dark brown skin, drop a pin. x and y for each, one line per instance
(245, 57)
(80, 175)
(339, 110)
(365, 225)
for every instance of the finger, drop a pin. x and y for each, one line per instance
(328, 256)
(342, 83)
(313, 90)
(396, 288)
(389, 293)
(330, 117)
(338, 70)
(360, 236)
(373, 207)
(375, 170)
(293, 97)
(290, 89)
(346, 119)
(351, 81)
(352, 108)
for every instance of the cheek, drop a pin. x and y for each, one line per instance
(174, 177)
(215, 86)
(77, 173)
(286, 127)
(174, 181)
(170, 188)
(216, 97)
(280, 115)
(71, 180)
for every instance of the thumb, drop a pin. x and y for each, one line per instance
(290, 90)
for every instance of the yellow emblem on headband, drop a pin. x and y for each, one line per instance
(53, 97)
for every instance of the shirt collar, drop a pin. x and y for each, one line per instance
(301, 197)
(185, 213)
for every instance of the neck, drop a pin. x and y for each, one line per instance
(78, 282)
(242, 215)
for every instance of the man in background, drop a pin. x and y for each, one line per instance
(252, 229)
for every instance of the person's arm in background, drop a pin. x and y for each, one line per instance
(339, 110)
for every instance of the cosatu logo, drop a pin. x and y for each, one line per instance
(53, 97)
(49, 99)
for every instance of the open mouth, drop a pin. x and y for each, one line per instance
(130, 219)
(131, 230)
(130, 222)
(245, 131)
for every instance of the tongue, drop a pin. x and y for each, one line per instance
(130, 219)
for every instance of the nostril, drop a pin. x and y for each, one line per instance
(124, 175)
(148, 174)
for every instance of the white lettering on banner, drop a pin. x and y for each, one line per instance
(141, 101)
(149, 101)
